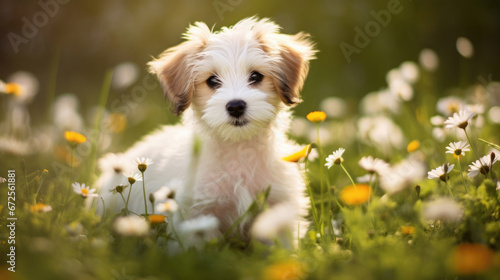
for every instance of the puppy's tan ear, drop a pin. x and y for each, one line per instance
(295, 52)
(291, 54)
(174, 67)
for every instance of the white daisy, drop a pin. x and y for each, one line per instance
(410, 72)
(335, 158)
(163, 193)
(437, 120)
(482, 165)
(198, 230)
(364, 179)
(458, 148)
(403, 175)
(124, 75)
(65, 113)
(334, 107)
(393, 183)
(11, 145)
(166, 206)
(478, 109)
(429, 60)
(3, 87)
(449, 105)
(118, 189)
(380, 132)
(374, 165)
(132, 177)
(131, 226)
(28, 86)
(143, 163)
(441, 172)
(460, 119)
(274, 222)
(444, 209)
(83, 190)
(465, 47)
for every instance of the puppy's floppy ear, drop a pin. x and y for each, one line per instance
(174, 67)
(292, 54)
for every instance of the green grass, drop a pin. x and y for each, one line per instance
(72, 242)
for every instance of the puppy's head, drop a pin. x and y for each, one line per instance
(236, 80)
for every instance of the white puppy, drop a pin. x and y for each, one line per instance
(235, 86)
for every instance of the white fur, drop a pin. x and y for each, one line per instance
(234, 163)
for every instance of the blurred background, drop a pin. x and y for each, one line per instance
(68, 45)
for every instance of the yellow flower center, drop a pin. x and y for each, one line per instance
(316, 116)
(356, 194)
(454, 108)
(13, 88)
(167, 206)
(85, 191)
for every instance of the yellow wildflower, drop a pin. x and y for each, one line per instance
(407, 230)
(284, 270)
(298, 155)
(74, 138)
(156, 219)
(413, 146)
(40, 208)
(471, 258)
(316, 116)
(356, 194)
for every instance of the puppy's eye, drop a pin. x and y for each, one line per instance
(213, 82)
(255, 77)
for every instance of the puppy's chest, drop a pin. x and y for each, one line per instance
(234, 173)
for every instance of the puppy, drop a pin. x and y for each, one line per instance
(235, 87)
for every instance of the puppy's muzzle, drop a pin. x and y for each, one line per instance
(236, 108)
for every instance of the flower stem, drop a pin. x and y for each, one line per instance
(348, 175)
(311, 197)
(462, 175)
(68, 191)
(322, 176)
(449, 189)
(477, 155)
(126, 208)
(128, 197)
(144, 192)
(103, 208)
(471, 146)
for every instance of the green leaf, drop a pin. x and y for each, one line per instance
(493, 145)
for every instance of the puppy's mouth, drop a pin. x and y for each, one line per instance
(239, 122)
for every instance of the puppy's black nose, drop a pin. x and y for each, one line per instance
(236, 107)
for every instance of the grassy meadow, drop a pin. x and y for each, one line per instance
(402, 177)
